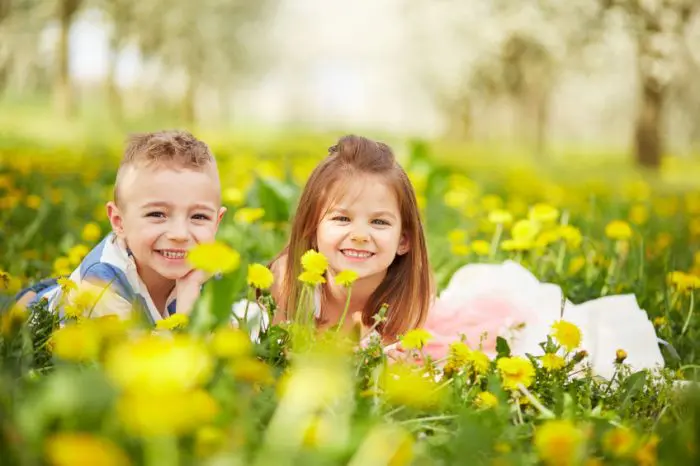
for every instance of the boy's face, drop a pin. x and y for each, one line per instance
(163, 212)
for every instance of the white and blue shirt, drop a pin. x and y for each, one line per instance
(110, 264)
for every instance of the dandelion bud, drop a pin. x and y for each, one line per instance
(620, 356)
(580, 356)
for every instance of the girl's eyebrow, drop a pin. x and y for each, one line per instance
(384, 213)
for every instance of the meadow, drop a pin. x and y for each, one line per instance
(108, 392)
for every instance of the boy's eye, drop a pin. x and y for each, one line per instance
(156, 214)
(341, 218)
(201, 217)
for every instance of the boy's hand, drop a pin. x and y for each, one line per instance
(187, 290)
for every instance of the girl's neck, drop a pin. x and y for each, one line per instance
(335, 298)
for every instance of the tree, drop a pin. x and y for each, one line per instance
(657, 27)
(66, 11)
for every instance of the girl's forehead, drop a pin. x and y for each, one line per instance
(369, 189)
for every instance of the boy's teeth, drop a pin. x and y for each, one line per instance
(173, 254)
(362, 254)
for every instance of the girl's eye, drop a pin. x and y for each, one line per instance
(156, 214)
(201, 217)
(341, 218)
(379, 221)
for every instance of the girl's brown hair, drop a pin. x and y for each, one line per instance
(407, 287)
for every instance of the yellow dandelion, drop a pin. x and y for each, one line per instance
(62, 266)
(486, 400)
(76, 342)
(524, 230)
(576, 265)
(405, 384)
(639, 214)
(12, 320)
(479, 362)
(314, 262)
(558, 442)
(67, 285)
(33, 201)
(619, 442)
(543, 213)
(77, 253)
(229, 343)
(515, 371)
(460, 249)
(311, 278)
(567, 334)
(457, 236)
(73, 448)
(481, 247)
(252, 371)
(91, 232)
(214, 257)
(232, 196)
(260, 276)
(646, 455)
(571, 235)
(248, 215)
(175, 321)
(415, 339)
(552, 362)
(346, 278)
(618, 230)
(459, 353)
(500, 217)
(620, 356)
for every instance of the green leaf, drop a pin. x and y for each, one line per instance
(631, 386)
(502, 348)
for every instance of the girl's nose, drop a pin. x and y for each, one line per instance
(359, 238)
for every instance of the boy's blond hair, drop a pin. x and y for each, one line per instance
(170, 148)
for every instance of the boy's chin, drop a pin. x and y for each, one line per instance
(172, 274)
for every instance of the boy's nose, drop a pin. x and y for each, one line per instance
(178, 232)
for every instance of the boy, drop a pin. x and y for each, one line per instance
(167, 198)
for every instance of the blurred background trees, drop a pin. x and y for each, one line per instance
(541, 75)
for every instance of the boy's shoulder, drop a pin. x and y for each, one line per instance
(106, 265)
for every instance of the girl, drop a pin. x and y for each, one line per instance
(359, 210)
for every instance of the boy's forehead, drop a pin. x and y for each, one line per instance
(135, 182)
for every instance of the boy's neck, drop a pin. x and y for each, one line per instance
(159, 288)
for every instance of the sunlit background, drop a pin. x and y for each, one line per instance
(537, 76)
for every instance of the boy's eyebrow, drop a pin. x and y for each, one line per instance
(167, 204)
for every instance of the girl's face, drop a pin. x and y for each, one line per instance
(362, 230)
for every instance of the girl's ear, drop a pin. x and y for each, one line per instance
(404, 245)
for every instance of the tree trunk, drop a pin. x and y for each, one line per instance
(114, 98)
(63, 90)
(648, 142)
(189, 101)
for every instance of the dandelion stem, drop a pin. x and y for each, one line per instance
(345, 311)
(690, 312)
(495, 241)
(535, 402)
(444, 417)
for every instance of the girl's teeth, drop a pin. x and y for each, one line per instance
(357, 254)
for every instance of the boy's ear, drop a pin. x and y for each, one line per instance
(220, 215)
(115, 218)
(404, 245)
